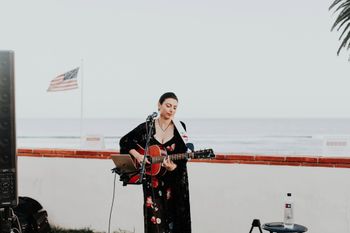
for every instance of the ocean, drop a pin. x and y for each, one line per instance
(329, 137)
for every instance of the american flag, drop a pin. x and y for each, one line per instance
(66, 81)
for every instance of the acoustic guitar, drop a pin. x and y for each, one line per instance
(156, 155)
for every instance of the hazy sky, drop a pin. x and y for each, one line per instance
(223, 58)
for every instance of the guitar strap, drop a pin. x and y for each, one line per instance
(183, 134)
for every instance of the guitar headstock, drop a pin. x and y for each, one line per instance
(204, 154)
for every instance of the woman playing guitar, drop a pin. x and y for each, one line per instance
(166, 195)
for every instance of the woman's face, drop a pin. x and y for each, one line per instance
(168, 108)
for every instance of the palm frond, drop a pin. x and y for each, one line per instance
(344, 42)
(334, 3)
(342, 22)
(345, 30)
(343, 18)
(344, 15)
(343, 5)
(347, 48)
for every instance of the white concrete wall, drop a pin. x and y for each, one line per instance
(224, 197)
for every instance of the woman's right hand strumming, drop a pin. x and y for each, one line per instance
(138, 156)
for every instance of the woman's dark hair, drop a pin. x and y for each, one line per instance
(166, 96)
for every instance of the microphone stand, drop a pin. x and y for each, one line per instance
(149, 127)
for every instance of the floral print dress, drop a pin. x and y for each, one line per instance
(166, 197)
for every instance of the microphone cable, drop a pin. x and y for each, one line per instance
(113, 196)
(19, 229)
(16, 219)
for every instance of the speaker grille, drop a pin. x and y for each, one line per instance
(8, 159)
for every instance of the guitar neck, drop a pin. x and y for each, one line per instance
(181, 156)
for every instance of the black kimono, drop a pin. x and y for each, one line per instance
(166, 197)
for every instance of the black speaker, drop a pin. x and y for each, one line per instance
(8, 157)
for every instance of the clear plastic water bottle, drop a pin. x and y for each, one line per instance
(288, 212)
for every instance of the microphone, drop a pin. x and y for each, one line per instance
(152, 116)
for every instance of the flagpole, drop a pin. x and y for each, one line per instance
(81, 100)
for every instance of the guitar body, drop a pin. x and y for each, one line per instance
(151, 169)
(154, 169)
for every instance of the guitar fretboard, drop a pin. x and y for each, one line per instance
(159, 159)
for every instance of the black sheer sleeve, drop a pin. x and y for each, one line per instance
(132, 139)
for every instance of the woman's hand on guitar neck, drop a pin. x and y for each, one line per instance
(168, 164)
